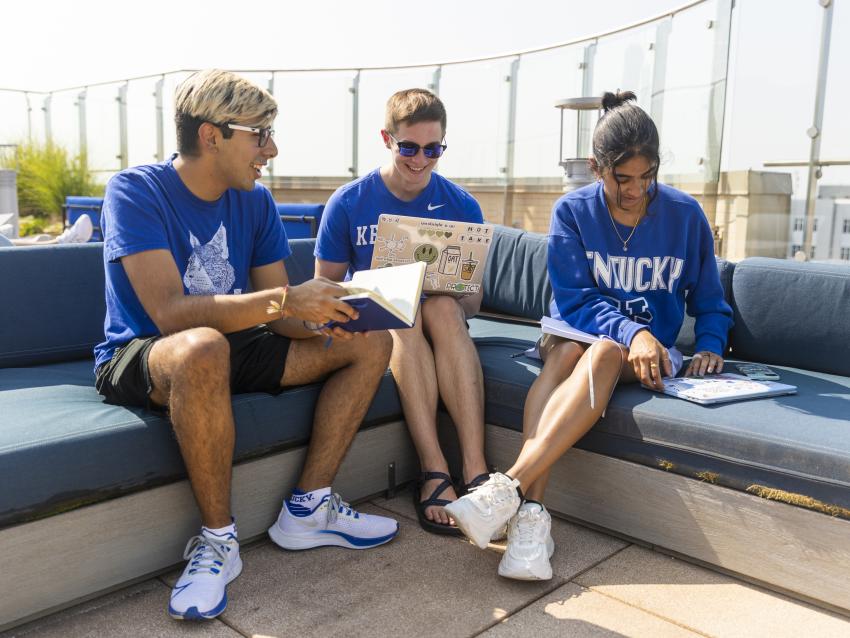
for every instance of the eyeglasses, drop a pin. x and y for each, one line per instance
(263, 134)
(410, 149)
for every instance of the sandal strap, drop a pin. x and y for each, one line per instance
(477, 481)
(442, 487)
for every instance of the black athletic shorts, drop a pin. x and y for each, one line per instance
(257, 361)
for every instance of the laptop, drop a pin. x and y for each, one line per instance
(723, 388)
(455, 253)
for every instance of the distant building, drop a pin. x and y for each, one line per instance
(831, 236)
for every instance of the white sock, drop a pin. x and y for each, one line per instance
(303, 503)
(220, 532)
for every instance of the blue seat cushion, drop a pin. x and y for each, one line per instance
(62, 447)
(798, 443)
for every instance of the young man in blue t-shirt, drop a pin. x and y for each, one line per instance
(435, 358)
(184, 242)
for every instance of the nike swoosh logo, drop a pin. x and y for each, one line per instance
(431, 207)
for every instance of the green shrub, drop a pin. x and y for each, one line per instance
(46, 175)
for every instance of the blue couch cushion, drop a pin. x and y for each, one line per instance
(62, 447)
(792, 314)
(799, 443)
(53, 303)
(515, 278)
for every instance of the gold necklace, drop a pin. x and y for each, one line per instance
(626, 241)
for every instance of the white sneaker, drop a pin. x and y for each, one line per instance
(79, 233)
(201, 592)
(331, 522)
(530, 545)
(480, 513)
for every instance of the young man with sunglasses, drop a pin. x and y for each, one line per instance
(436, 358)
(184, 243)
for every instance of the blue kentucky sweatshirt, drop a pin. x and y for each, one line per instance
(669, 263)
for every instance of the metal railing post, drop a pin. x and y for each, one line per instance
(122, 125)
(434, 87)
(29, 116)
(583, 131)
(717, 118)
(659, 70)
(160, 119)
(510, 143)
(48, 129)
(270, 89)
(83, 131)
(355, 122)
(815, 131)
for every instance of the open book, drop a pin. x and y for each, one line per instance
(722, 388)
(386, 298)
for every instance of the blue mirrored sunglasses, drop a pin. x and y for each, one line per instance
(410, 149)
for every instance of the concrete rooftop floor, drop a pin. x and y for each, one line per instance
(426, 585)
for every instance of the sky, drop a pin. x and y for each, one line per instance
(51, 44)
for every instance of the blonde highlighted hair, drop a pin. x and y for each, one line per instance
(412, 106)
(218, 97)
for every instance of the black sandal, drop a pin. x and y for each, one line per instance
(428, 525)
(477, 481)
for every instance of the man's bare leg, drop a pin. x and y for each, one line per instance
(190, 373)
(352, 371)
(459, 378)
(413, 367)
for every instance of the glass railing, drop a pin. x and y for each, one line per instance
(714, 75)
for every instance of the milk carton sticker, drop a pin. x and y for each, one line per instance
(449, 261)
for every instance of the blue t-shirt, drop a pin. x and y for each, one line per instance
(350, 219)
(604, 290)
(214, 244)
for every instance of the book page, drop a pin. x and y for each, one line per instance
(561, 328)
(399, 287)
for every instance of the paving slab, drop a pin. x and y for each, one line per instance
(581, 613)
(410, 586)
(139, 610)
(706, 601)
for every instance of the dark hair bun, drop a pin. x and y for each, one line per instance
(613, 100)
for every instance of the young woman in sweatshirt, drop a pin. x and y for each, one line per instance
(627, 255)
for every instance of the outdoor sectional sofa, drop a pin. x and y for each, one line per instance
(759, 488)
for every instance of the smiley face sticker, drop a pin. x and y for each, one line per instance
(427, 253)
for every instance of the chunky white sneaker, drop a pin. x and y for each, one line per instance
(530, 545)
(484, 510)
(201, 592)
(79, 233)
(331, 522)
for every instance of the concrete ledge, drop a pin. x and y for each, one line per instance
(60, 561)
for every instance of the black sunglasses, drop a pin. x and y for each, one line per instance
(410, 149)
(263, 134)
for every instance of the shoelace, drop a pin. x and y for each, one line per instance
(524, 525)
(204, 552)
(499, 491)
(337, 506)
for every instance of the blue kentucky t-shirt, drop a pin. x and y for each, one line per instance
(350, 219)
(214, 244)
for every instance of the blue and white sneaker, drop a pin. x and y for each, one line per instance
(330, 522)
(201, 593)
